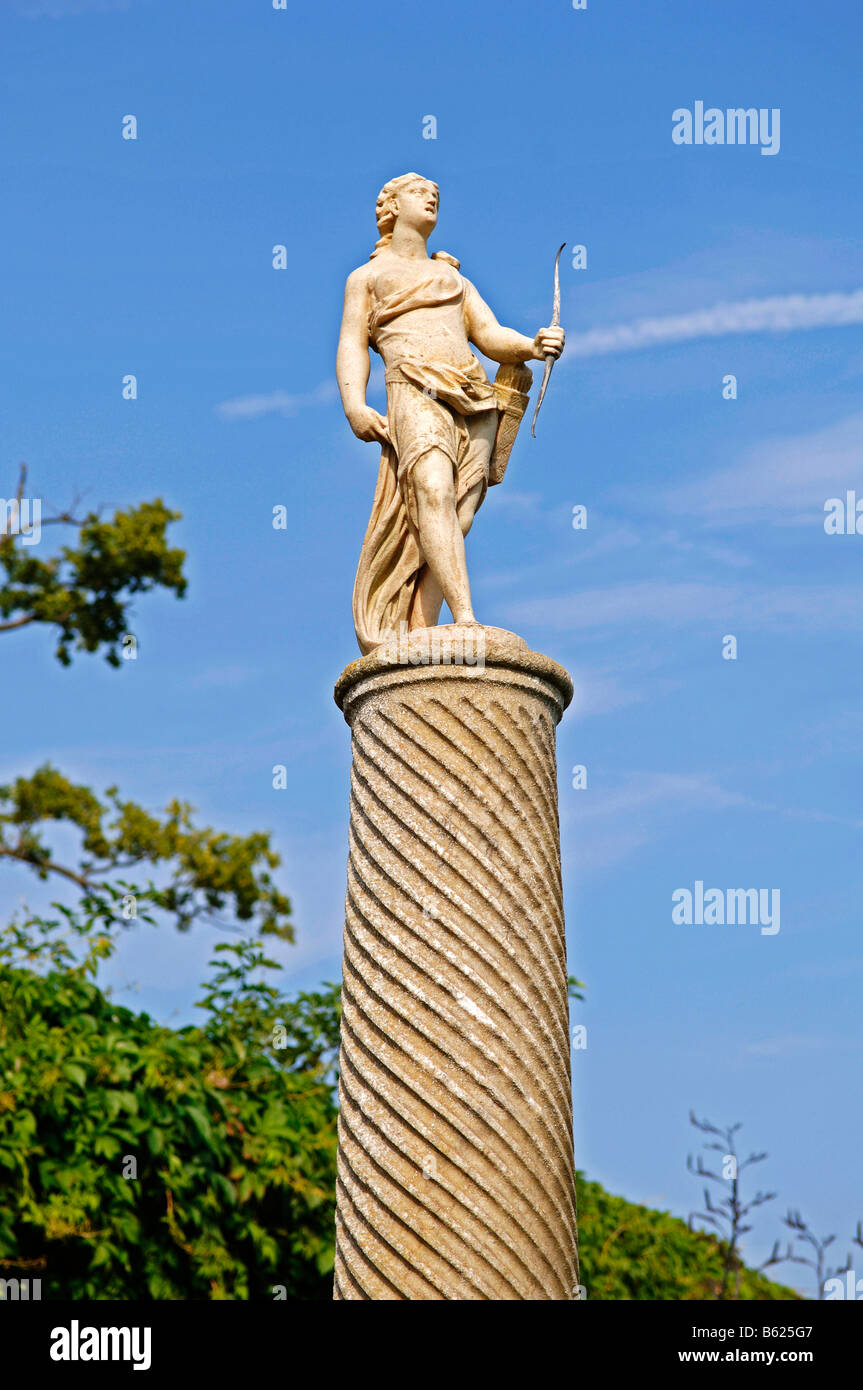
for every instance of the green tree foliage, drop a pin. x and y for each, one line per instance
(142, 1162)
(84, 590)
(632, 1252)
(202, 872)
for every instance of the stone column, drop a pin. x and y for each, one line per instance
(455, 1163)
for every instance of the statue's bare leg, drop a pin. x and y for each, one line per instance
(428, 600)
(442, 543)
(482, 429)
(429, 594)
(467, 507)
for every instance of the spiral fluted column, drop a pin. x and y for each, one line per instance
(455, 1163)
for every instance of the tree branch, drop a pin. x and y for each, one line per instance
(18, 622)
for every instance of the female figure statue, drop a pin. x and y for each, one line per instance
(443, 414)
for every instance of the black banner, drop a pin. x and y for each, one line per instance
(86, 1341)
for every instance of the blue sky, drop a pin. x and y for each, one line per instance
(705, 515)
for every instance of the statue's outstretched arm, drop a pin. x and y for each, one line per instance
(504, 344)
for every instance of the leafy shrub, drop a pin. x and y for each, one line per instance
(233, 1140)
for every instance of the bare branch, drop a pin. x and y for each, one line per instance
(49, 867)
(18, 622)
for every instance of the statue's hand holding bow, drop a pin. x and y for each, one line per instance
(548, 343)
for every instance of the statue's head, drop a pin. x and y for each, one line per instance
(409, 197)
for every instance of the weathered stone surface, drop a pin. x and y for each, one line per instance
(455, 1167)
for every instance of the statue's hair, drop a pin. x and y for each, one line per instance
(386, 214)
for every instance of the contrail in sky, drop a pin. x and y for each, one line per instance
(781, 314)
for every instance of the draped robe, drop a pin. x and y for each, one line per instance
(432, 403)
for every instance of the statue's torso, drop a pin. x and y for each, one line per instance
(417, 313)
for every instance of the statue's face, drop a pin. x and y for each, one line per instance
(418, 205)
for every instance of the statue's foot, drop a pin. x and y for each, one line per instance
(466, 619)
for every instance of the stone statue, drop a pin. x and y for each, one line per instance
(448, 431)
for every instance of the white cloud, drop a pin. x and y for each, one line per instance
(286, 403)
(615, 822)
(521, 504)
(618, 819)
(600, 692)
(827, 606)
(789, 475)
(648, 790)
(777, 314)
(622, 603)
(276, 402)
